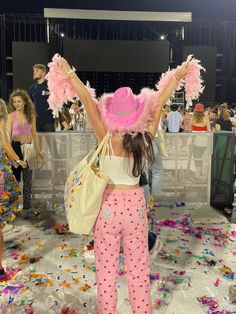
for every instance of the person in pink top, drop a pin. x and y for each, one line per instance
(21, 127)
(187, 121)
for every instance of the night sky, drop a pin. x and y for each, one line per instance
(223, 9)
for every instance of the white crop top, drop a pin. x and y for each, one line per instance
(119, 169)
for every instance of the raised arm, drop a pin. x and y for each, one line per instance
(179, 74)
(86, 99)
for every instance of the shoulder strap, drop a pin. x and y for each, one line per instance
(110, 148)
(101, 148)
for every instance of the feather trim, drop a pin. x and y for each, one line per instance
(60, 89)
(193, 83)
(142, 123)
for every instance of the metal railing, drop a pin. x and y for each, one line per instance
(187, 169)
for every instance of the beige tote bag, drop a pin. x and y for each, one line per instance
(84, 191)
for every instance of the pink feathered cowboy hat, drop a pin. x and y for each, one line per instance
(124, 112)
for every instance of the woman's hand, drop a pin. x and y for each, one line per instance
(64, 66)
(39, 156)
(181, 71)
(22, 163)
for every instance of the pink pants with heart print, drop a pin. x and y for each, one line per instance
(122, 216)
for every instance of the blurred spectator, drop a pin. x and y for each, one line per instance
(233, 119)
(21, 126)
(81, 121)
(77, 116)
(187, 121)
(213, 117)
(200, 122)
(223, 122)
(63, 122)
(174, 119)
(208, 112)
(165, 112)
(39, 94)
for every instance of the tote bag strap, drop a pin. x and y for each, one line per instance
(101, 147)
(103, 153)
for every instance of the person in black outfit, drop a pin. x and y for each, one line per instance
(44, 118)
(39, 94)
(223, 123)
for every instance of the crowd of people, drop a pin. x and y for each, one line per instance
(218, 118)
(28, 113)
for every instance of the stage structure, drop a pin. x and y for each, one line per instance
(53, 31)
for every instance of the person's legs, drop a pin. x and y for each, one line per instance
(144, 182)
(135, 244)
(27, 188)
(17, 171)
(106, 250)
(1, 247)
(54, 151)
(157, 171)
(156, 178)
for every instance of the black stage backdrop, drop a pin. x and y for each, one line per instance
(25, 55)
(117, 56)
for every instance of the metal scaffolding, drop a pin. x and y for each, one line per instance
(201, 32)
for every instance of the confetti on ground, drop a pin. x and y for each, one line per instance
(50, 270)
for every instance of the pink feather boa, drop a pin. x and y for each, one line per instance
(60, 89)
(192, 83)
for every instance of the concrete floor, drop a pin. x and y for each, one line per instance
(52, 273)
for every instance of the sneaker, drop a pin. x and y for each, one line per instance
(36, 212)
(156, 249)
(151, 240)
(2, 272)
(89, 254)
(30, 213)
(20, 208)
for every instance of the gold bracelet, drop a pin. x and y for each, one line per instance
(69, 72)
(174, 77)
(71, 75)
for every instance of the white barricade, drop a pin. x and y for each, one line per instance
(187, 168)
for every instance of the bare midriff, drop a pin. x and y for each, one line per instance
(24, 139)
(122, 186)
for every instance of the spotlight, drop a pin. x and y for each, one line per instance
(162, 37)
(62, 34)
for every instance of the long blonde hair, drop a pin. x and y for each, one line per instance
(224, 113)
(198, 117)
(3, 110)
(29, 109)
